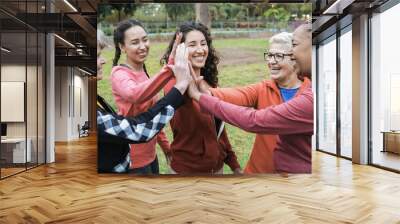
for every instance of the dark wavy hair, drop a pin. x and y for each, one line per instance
(119, 37)
(210, 70)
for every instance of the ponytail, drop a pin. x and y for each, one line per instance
(117, 55)
(145, 70)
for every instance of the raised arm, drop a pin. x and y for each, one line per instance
(143, 127)
(292, 117)
(242, 96)
(134, 92)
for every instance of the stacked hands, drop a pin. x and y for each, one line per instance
(186, 79)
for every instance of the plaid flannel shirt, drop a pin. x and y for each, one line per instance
(129, 128)
(133, 130)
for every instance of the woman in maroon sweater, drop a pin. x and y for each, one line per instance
(200, 144)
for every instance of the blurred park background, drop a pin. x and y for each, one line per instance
(240, 34)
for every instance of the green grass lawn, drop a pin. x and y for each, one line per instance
(241, 64)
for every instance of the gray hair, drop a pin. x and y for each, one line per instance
(101, 39)
(284, 38)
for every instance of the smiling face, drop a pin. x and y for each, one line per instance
(198, 49)
(280, 70)
(136, 45)
(302, 49)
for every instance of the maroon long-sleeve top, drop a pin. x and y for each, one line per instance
(292, 121)
(195, 147)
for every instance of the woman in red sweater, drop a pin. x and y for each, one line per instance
(135, 92)
(200, 143)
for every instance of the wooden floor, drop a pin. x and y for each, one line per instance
(5, 172)
(387, 159)
(10, 171)
(70, 191)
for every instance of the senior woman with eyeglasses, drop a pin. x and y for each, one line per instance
(283, 86)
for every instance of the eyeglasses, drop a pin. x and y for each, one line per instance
(278, 57)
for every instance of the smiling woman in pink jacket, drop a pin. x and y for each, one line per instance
(135, 92)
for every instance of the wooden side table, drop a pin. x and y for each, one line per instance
(391, 141)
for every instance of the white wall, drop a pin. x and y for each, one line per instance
(33, 126)
(61, 104)
(71, 94)
(80, 98)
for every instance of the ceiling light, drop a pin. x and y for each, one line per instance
(70, 5)
(331, 8)
(5, 49)
(86, 72)
(79, 51)
(64, 40)
(338, 6)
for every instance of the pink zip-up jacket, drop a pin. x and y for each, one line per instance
(292, 121)
(135, 93)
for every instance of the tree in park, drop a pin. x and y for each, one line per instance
(126, 9)
(175, 10)
(278, 15)
(202, 14)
